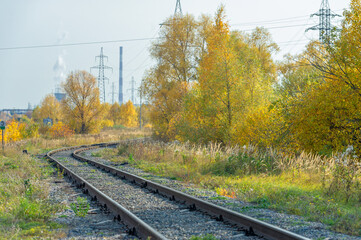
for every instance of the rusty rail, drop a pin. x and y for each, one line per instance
(251, 225)
(135, 225)
(141, 229)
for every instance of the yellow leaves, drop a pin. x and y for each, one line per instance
(106, 123)
(49, 107)
(129, 116)
(260, 127)
(60, 130)
(81, 105)
(12, 132)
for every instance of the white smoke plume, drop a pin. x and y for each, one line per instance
(59, 67)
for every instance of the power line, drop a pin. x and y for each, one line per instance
(137, 55)
(286, 26)
(277, 20)
(272, 21)
(76, 44)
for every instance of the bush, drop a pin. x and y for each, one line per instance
(59, 130)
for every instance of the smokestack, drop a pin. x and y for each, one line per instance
(120, 75)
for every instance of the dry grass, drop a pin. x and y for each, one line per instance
(325, 189)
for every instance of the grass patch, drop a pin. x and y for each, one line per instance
(206, 237)
(324, 189)
(25, 211)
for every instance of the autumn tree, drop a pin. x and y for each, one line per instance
(235, 77)
(167, 82)
(218, 78)
(129, 116)
(81, 105)
(321, 92)
(298, 92)
(49, 107)
(115, 113)
(12, 132)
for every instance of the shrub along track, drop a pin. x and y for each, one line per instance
(152, 210)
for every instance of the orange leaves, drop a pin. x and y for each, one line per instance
(226, 193)
(59, 130)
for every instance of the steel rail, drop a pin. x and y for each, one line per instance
(251, 225)
(136, 226)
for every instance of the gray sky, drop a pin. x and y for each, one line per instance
(27, 75)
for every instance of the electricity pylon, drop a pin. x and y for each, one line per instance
(101, 76)
(178, 9)
(324, 26)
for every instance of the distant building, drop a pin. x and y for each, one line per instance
(59, 96)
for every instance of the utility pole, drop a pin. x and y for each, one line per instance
(120, 95)
(101, 77)
(178, 9)
(324, 26)
(113, 92)
(132, 90)
(140, 108)
(2, 127)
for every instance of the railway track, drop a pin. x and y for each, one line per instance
(153, 210)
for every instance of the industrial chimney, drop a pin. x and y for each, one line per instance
(120, 75)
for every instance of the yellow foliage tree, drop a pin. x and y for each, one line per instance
(115, 113)
(49, 107)
(235, 77)
(321, 105)
(129, 116)
(167, 82)
(219, 78)
(81, 105)
(12, 132)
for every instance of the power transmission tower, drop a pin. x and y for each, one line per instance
(324, 26)
(178, 9)
(101, 78)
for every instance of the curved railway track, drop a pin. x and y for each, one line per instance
(153, 210)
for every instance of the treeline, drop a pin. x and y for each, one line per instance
(211, 84)
(80, 111)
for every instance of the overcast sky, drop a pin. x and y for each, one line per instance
(28, 74)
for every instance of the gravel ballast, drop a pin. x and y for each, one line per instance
(96, 225)
(170, 218)
(296, 224)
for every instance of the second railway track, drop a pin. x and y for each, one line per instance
(156, 211)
